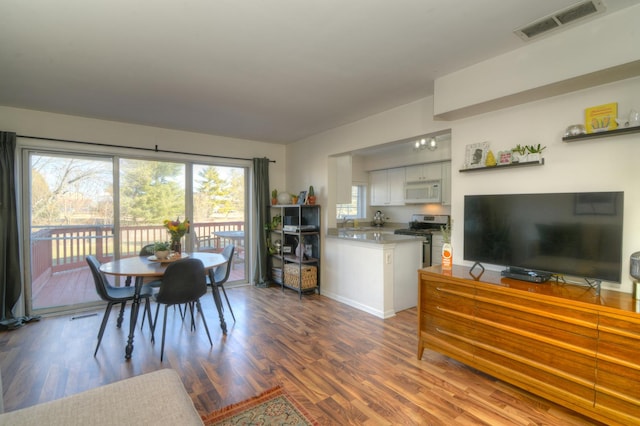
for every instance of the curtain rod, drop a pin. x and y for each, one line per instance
(131, 147)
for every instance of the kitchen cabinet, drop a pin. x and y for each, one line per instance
(445, 185)
(300, 226)
(423, 172)
(387, 187)
(557, 341)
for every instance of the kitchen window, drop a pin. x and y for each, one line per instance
(357, 208)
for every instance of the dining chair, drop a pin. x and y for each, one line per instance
(113, 295)
(222, 272)
(183, 282)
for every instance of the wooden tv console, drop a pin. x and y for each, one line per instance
(558, 341)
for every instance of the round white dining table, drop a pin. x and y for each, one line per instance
(142, 267)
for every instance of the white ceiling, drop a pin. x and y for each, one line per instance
(275, 71)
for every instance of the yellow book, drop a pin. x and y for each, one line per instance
(601, 118)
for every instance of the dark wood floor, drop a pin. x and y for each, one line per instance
(345, 366)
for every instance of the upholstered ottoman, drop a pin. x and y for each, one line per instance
(157, 398)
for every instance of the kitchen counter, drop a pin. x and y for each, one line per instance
(372, 269)
(369, 235)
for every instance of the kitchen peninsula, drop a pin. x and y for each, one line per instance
(372, 269)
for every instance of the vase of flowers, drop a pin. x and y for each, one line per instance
(177, 230)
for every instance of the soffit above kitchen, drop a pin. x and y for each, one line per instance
(275, 71)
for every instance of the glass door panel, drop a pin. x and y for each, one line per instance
(219, 212)
(71, 216)
(150, 193)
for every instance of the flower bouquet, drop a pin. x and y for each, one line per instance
(177, 230)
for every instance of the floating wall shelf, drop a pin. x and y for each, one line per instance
(616, 132)
(505, 166)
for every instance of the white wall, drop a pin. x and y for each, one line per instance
(59, 126)
(593, 165)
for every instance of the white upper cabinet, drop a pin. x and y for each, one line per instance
(423, 172)
(387, 187)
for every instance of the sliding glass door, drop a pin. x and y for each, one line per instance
(111, 207)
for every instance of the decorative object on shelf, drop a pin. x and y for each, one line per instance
(491, 160)
(300, 248)
(519, 154)
(277, 245)
(161, 249)
(634, 118)
(534, 152)
(311, 196)
(447, 250)
(294, 199)
(504, 157)
(302, 197)
(177, 230)
(274, 197)
(601, 118)
(284, 198)
(476, 155)
(575, 130)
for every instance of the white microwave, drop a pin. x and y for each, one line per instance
(423, 192)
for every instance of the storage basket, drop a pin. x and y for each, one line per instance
(276, 275)
(292, 273)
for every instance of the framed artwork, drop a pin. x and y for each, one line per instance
(504, 157)
(302, 197)
(476, 154)
(286, 249)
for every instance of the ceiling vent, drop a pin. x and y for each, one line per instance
(561, 18)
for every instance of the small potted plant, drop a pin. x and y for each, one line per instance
(161, 249)
(534, 152)
(311, 196)
(519, 154)
(274, 197)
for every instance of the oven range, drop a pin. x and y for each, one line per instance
(422, 225)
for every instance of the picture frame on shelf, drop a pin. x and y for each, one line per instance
(504, 157)
(476, 155)
(286, 249)
(302, 197)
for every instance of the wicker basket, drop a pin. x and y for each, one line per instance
(292, 274)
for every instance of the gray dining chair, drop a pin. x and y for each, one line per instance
(222, 272)
(184, 282)
(114, 295)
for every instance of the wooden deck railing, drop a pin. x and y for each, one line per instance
(56, 249)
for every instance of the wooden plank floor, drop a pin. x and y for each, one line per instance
(344, 365)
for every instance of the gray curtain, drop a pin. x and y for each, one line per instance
(261, 203)
(10, 279)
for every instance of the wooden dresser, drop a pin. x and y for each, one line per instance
(559, 341)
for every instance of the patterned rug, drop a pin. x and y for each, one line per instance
(272, 407)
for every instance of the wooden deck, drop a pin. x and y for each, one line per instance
(76, 287)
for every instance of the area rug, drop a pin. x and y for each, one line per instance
(272, 407)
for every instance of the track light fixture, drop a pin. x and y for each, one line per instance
(423, 143)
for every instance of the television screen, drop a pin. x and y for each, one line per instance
(577, 234)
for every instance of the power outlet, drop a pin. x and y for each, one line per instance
(388, 258)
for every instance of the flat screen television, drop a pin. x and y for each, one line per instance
(574, 234)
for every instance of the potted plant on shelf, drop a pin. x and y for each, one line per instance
(274, 197)
(311, 196)
(519, 154)
(161, 249)
(534, 152)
